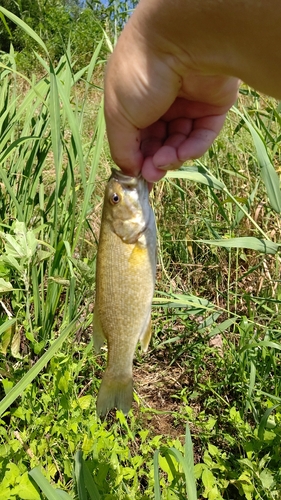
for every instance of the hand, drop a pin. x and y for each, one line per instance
(159, 112)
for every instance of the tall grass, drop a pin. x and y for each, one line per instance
(44, 170)
(215, 356)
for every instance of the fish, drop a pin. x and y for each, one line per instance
(125, 280)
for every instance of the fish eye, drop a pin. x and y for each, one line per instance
(115, 198)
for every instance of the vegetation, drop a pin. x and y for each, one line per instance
(59, 22)
(206, 420)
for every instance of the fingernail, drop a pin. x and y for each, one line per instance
(164, 167)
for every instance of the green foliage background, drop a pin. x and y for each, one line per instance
(59, 21)
(206, 420)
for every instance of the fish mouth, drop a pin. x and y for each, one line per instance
(117, 175)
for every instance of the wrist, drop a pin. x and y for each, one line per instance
(237, 38)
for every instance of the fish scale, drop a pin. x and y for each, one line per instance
(126, 267)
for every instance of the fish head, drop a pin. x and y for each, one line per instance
(126, 205)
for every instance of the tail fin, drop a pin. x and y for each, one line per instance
(114, 393)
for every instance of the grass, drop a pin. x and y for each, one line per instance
(208, 391)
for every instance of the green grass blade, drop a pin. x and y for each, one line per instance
(251, 385)
(62, 495)
(263, 246)
(222, 326)
(186, 462)
(189, 466)
(264, 420)
(48, 490)
(6, 25)
(79, 476)
(4, 177)
(90, 485)
(262, 343)
(157, 490)
(188, 472)
(18, 389)
(55, 124)
(84, 479)
(7, 324)
(240, 214)
(268, 172)
(73, 123)
(14, 146)
(99, 134)
(196, 174)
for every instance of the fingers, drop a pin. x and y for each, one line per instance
(201, 138)
(179, 147)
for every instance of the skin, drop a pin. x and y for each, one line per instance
(175, 73)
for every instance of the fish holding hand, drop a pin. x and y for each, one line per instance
(125, 278)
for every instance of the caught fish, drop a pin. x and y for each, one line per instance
(125, 277)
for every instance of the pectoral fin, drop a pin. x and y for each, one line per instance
(98, 334)
(146, 335)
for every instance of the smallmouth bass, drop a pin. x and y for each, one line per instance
(125, 278)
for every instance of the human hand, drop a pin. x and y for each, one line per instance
(161, 111)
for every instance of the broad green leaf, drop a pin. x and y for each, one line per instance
(196, 174)
(208, 479)
(267, 479)
(26, 239)
(25, 489)
(15, 345)
(264, 246)
(5, 340)
(12, 262)
(12, 247)
(5, 286)
(167, 464)
(90, 484)
(7, 385)
(85, 401)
